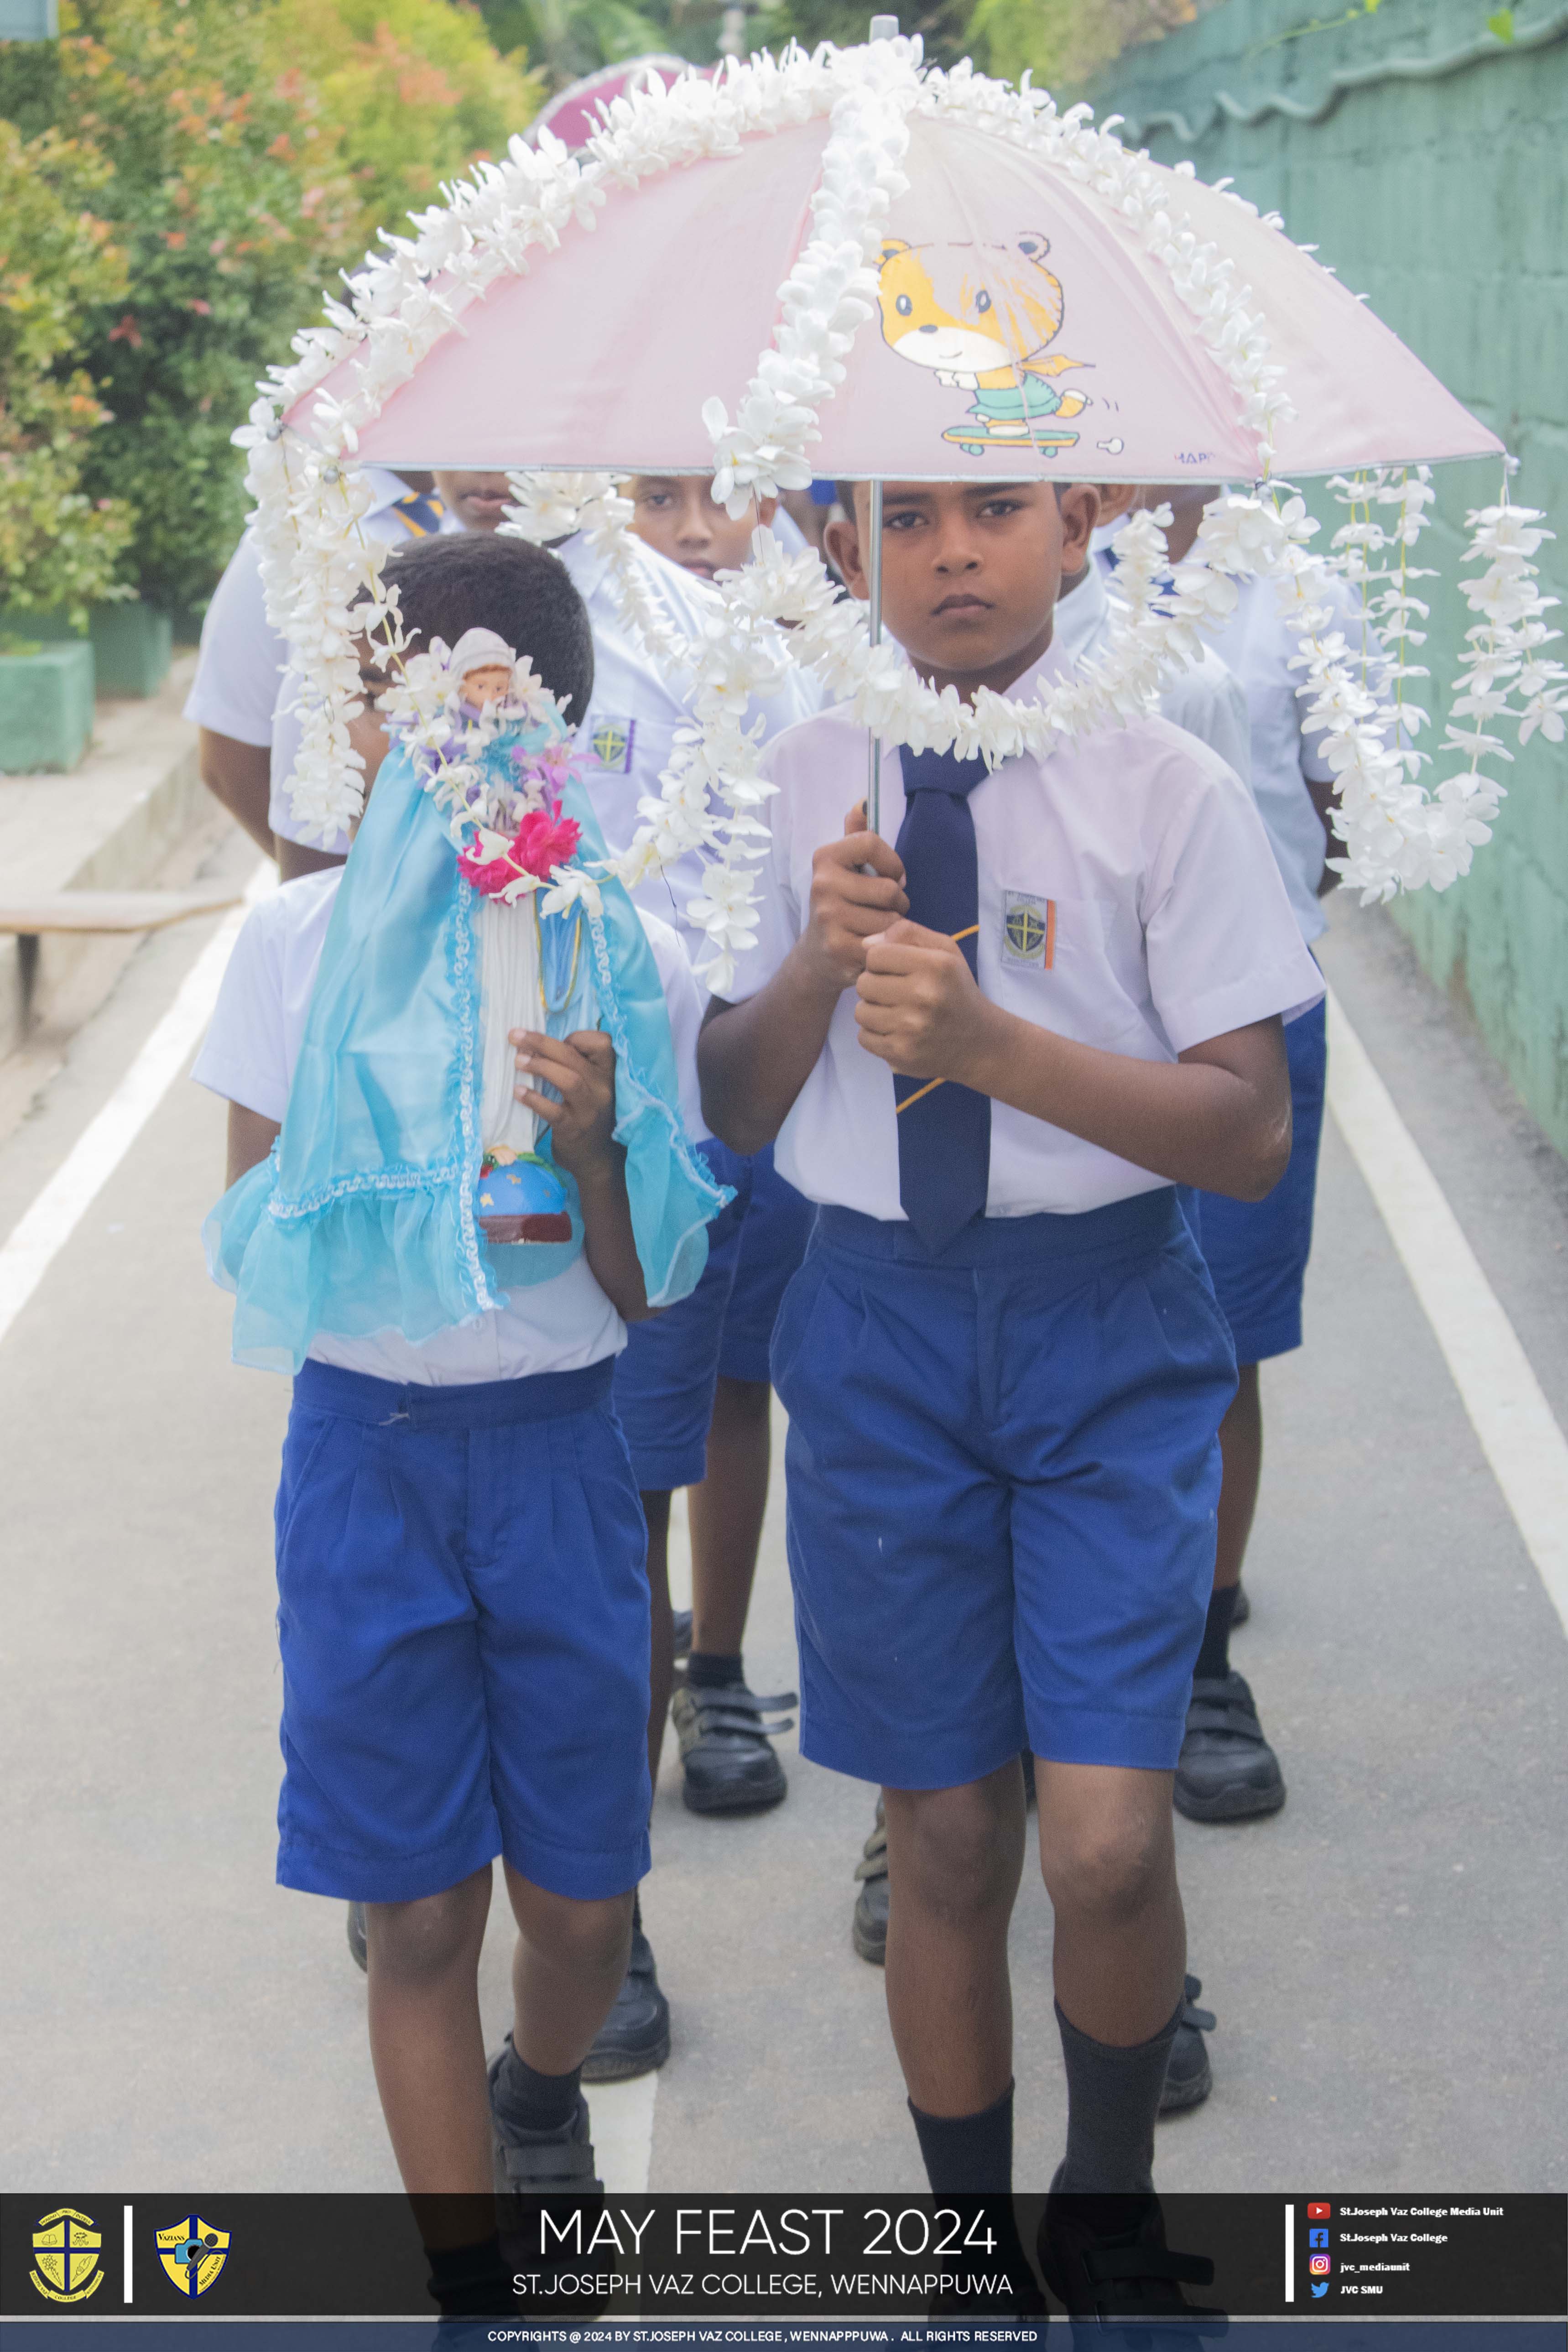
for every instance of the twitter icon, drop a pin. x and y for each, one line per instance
(1320, 2287)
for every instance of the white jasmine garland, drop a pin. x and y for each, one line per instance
(317, 563)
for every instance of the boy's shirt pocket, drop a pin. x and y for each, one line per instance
(1050, 958)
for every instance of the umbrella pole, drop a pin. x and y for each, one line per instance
(874, 573)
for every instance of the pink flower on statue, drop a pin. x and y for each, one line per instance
(489, 876)
(545, 839)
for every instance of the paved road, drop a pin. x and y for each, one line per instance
(1385, 1955)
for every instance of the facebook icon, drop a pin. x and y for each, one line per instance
(1317, 2237)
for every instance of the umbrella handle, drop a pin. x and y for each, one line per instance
(873, 574)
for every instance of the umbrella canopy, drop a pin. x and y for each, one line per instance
(572, 114)
(1022, 319)
(848, 265)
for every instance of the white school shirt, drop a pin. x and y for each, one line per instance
(249, 1058)
(1205, 699)
(240, 670)
(635, 711)
(1258, 647)
(1140, 856)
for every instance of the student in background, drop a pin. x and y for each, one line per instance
(1256, 1251)
(239, 675)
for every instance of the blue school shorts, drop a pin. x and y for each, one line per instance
(1002, 1468)
(1257, 1250)
(464, 1620)
(668, 1370)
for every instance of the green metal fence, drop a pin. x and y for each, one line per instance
(1427, 158)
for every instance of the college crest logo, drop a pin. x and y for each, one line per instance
(66, 2250)
(1029, 931)
(610, 740)
(192, 2252)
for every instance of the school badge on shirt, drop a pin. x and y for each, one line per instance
(1028, 931)
(610, 740)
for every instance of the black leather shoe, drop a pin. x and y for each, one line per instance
(1228, 1771)
(870, 1926)
(1189, 2078)
(1107, 2260)
(356, 1934)
(557, 2163)
(728, 1765)
(634, 2037)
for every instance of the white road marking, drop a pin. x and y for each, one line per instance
(620, 2115)
(1507, 1409)
(620, 2118)
(42, 1231)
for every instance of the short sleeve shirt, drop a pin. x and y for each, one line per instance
(1258, 646)
(1203, 698)
(243, 660)
(635, 711)
(249, 1057)
(1128, 899)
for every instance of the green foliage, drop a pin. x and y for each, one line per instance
(414, 88)
(223, 184)
(58, 545)
(246, 151)
(568, 39)
(1059, 42)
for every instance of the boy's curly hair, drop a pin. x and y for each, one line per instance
(474, 580)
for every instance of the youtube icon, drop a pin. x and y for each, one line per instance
(1319, 2212)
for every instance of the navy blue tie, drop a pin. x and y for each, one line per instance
(945, 1128)
(421, 512)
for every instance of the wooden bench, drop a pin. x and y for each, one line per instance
(111, 910)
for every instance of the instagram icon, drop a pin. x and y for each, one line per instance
(1319, 2265)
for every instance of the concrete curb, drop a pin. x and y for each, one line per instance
(111, 824)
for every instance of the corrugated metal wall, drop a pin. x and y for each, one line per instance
(1428, 161)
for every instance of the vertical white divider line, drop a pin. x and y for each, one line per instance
(1498, 1387)
(130, 2213)
(1290, 2254)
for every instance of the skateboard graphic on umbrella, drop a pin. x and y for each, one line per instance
(980, 317)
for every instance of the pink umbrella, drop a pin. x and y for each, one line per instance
(1023, 322)
(574, 115)
(847, 265)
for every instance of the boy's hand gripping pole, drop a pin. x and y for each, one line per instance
(873, 574)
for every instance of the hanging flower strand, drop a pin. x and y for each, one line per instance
(317, 564)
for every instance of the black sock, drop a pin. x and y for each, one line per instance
(1113, 2095)
(971, 2157)
(470, 2282)
(1213, 1658)
(710, 1670)
(972, 2153)
(533, 2101)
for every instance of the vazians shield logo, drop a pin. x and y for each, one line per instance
(610, 740)
(1028, 931)
(66, 2248)
(192, 2252)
